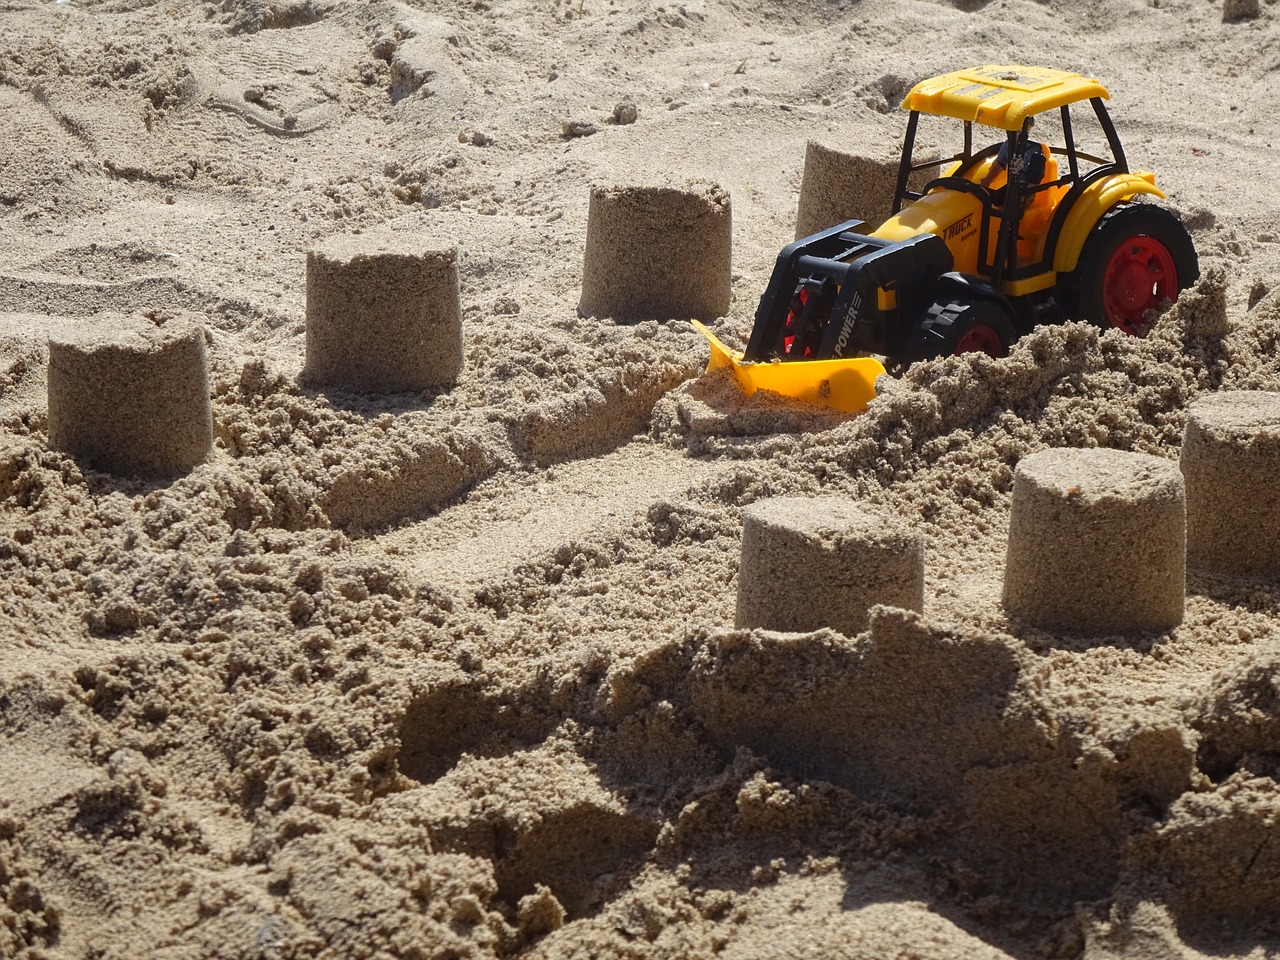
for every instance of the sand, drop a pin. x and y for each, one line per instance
(453, 673)
(382, 319)
(1097, 541)
(814, 562)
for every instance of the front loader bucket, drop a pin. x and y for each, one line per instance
(847, 384)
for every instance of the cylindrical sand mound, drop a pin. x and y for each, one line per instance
(131, 396)
(839, 186)
(809, 563)
(1231, 464)
(657, 253)
(1097, 542)
(381, 320)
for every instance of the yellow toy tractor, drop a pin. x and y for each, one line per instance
(1026, 230)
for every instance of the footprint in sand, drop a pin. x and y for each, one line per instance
(273, 92)
(295, 118)
(105, 263)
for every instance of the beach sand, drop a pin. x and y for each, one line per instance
(454, 673)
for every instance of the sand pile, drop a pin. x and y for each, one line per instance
(452, 671)
(1230, 816)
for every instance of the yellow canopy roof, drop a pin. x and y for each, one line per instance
(1000, 95)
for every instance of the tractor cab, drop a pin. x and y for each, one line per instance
(1010, 182)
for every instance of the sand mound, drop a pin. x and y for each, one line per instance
(934, 719)
(1232, 816)
(552, 826)
(1238, 722)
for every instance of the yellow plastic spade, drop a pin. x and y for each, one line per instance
(847, 384)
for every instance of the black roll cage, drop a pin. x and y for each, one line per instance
(1003, 264)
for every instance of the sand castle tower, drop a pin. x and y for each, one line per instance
(813, 562)
(380, 319)
(655, 252)
(1097, 542)
(131, 396)
(841, 185)
(1231, 464)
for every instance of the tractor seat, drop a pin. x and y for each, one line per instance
(1001, 181)
(1052, 195)
(1037, 214)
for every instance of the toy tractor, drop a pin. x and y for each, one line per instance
(1013, 234)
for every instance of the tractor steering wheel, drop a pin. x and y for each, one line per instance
(957, 180)
(961, 185)
(977, 158)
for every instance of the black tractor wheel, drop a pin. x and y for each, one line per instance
(1136, 257)
(962, 326)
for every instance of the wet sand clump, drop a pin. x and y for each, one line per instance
(1097, 542)
(131, 396)
(1230, 457)
(658, 252)
(815, 562)
(382, 319)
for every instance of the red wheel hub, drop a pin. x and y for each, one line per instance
(1139, 275)
(981, 339)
